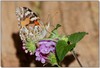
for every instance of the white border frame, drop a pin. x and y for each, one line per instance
(45, 0)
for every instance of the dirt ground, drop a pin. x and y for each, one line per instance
(73, 16)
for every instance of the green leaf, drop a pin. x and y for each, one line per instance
(76, 37)
(57, 26)
(54, 33)
(62, 48)
(30, 45)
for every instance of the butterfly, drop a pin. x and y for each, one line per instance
(30, 25)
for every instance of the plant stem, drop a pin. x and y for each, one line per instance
(74, 54)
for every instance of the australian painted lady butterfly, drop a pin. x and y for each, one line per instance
(30, 25)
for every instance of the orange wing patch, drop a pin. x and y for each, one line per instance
(36, 23)
(25, 22)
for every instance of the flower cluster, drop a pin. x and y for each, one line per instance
(44, 49)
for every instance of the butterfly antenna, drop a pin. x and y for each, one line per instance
(49, 18)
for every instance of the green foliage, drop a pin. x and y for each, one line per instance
(52, 59)
(54, 33)
(30, 45)
(64, 38)
(62, 46)
(62, 49)
(57, 26)
(76, 37)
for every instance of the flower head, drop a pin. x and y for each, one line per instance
(45, 47)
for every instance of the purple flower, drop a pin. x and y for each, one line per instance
(45, 47)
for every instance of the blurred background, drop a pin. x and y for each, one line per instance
(73, 16)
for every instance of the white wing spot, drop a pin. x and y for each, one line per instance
(27, 13)
(34, 18)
